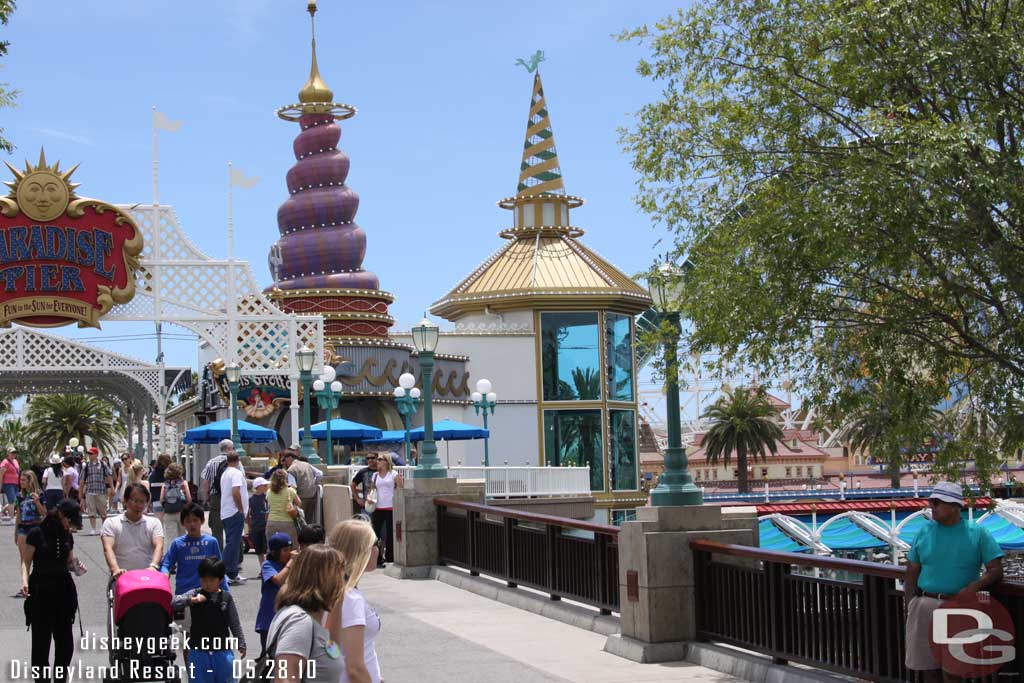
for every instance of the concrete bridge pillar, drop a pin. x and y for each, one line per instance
(416, 524)
(656, 575)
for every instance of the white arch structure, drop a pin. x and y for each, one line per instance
(218, 300)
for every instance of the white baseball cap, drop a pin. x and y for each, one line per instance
(948, 492)
(258, 482)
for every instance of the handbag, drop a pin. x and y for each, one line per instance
(370, 504)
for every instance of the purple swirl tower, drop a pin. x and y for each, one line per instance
(317, 263)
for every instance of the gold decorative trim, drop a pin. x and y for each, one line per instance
(510, 203)
(277, 292)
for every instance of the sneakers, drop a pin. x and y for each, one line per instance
(237, 581)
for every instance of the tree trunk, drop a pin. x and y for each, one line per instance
(741, 462)
(894, 472)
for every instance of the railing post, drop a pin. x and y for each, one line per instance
(776, 573)
(471, 558)
(440, 533)
(510, 546)
(601, 546)
(874, 624)
(551, 534)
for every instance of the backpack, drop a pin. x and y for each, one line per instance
(174, 499)
(215, 484)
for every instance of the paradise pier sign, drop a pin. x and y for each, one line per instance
(63, 258)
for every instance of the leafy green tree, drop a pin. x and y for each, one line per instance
(54, 419)
(14, 433)
(743, 422)
(7, 96)
(847, 182)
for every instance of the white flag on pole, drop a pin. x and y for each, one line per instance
(161, 121)
(239, 179)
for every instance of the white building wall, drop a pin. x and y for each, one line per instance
(504, 351)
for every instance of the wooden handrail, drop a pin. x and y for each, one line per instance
(887, 571)
(859, 566)
(548, 520)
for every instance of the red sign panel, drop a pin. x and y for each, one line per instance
(63, 259)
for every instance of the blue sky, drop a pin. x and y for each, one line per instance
(438, 138)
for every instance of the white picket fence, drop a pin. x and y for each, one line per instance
(509, 481)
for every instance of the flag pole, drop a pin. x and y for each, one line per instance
(231, 220)
(157, 293)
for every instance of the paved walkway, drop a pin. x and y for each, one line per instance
(432, 632)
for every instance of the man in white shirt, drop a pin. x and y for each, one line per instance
(234, 506)
(132, 540)
(209, 489)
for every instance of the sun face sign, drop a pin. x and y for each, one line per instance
(63, 258)
(43, 195)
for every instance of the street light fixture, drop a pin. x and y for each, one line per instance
(424, 337)
(234, 377)
(407, 397)
(675, 485)
(484, 400)
(328, 394)
(305, 358)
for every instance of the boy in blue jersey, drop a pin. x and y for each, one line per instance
(186, 552)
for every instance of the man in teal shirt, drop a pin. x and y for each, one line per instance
(943, 563)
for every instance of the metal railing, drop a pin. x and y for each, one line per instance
(849, 627)
(509, 481)
(560, 556)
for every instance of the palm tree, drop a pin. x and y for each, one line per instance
(54, 419)
(742, 421)
(890, 425)
(14, 433)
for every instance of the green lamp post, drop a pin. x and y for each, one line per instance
(484, 400)
(424, 337)
(234, 377)
(407, 397)
(328, 394)
(675, 485)
(305, 358)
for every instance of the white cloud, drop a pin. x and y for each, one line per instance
(70, 136)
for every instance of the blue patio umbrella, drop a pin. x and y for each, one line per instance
(394, 436)
(215, 432)
(343, 431)
(450, 430)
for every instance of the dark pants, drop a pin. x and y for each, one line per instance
(213, 519)
(383, 521)
(52, 498)
(11, 493)
(309, 510)
(54, 602)
(233, 526)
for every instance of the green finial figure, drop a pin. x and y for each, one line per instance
(534, 62)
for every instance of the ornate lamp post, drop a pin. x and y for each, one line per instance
(484, 400)
(234, 376)
(407, 396)
(675, 485)
(305, 358)
(328, 395)
(424, 337)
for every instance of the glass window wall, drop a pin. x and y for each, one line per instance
(622, 454)
(618, 354)
(570, 357)
(573, 438)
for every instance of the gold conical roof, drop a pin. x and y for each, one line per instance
(315, 90)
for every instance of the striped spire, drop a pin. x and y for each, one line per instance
(539, 172)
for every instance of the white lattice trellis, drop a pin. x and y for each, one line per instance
(36, 362)
(218, 300)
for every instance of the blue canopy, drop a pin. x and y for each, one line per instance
(394, 436)
(343, 430)
(450, 430)
(215, 432)
(910, 529)
(772, 538)
(1008, 535)
(847, 535)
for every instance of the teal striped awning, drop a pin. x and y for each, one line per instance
(772, 538)
(845, 534)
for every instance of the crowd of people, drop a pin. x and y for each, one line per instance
(310, 606)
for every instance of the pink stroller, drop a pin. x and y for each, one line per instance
(139, 606)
